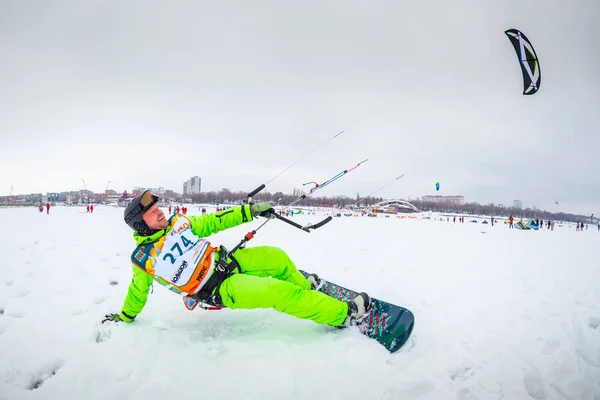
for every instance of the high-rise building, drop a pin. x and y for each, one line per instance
(195, 185)
(518, 204)
(192, 186)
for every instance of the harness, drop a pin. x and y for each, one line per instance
(209, 294)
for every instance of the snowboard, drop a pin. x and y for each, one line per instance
(387, 323)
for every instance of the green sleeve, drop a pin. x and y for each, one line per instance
(208, 224)
(137, 294)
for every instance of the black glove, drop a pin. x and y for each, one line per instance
(112, 317)
(261, 210)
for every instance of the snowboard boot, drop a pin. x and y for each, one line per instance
(356, 309)
(314, 281)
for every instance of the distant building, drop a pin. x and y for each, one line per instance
(33, 198)
(394, 207)
(192, 186)
(518, 204)
(139, 190)
(449, 200)
(195, 185)
(57, 197)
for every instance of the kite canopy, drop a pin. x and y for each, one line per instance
(437, 186)
(530, 66)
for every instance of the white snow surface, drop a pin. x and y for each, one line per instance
(500, 314)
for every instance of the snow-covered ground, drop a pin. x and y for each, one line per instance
(499, 314)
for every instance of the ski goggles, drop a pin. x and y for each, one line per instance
(146, 200)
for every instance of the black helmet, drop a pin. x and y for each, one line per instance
(136, 208)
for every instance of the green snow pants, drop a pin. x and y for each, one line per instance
(286, 290)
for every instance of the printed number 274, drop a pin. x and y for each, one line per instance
(176, 246)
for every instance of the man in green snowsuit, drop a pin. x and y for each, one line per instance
(173, 252)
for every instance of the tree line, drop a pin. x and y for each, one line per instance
(226, 196)
(501, 211)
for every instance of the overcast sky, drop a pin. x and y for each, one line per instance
(150, 93)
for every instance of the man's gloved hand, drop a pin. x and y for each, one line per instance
(112, 317)
(261, 210)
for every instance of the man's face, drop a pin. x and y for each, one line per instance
(155, 218)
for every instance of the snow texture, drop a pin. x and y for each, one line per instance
(503, 315)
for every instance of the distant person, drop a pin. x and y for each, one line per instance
(257, 277)
(91, 208)
(41, 208)
(598, 226)
(511, 220)
(47, 208)
(454, 220)
(87, 209)
(492, 220)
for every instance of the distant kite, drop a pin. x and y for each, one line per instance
(530, 66)
(556, 202)
(437, 186)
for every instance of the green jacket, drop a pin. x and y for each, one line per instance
(203, 226)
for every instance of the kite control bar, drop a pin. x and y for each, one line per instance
(274, 215)
(305, 228)
(253, 193)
